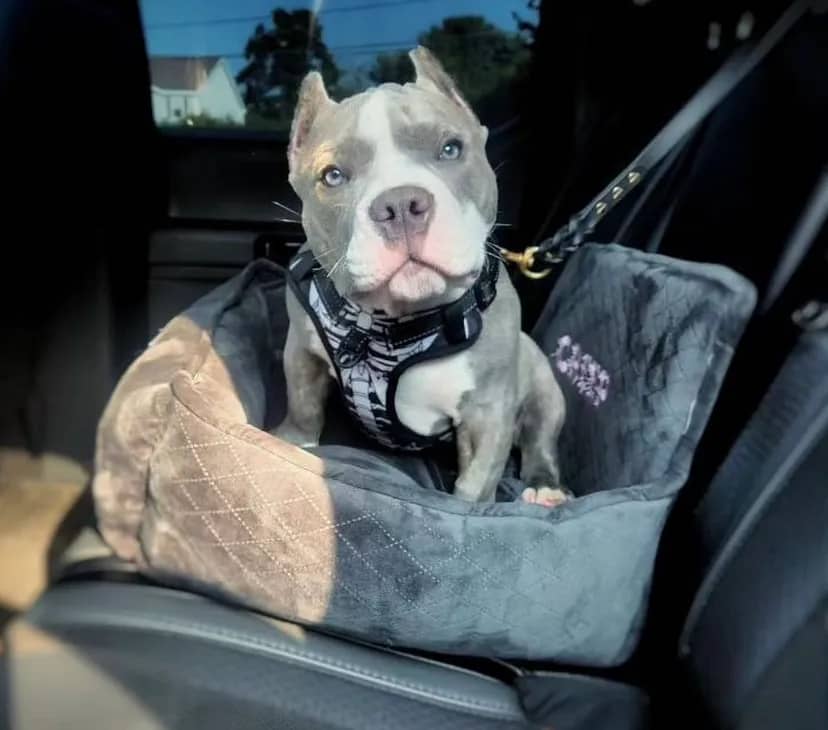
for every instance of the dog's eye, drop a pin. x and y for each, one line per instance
(332, 176)
(451, 150)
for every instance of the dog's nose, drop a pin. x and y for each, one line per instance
(402, 213)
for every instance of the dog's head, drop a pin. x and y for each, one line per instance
(397, 194)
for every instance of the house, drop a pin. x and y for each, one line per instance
(187, 86)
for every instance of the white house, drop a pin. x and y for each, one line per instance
(183, 86)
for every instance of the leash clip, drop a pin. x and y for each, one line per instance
(525, 261)
(551, 251)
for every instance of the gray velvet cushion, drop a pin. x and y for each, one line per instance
(191, 487)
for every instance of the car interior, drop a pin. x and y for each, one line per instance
(121, 213)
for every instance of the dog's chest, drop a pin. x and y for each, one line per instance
(428, 394)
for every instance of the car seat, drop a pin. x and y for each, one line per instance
(103, 647)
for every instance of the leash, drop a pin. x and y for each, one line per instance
(537, 262)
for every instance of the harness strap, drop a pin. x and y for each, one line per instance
(369, 351)
(451, 318)
(302, 265)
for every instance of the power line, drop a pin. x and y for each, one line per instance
(352, 49)
(213, 21)
(377, 46)
(259, 18)
(356, 48)
(373, 6)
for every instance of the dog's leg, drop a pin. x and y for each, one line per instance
(541, 417)
(308, 384)
(483, 446)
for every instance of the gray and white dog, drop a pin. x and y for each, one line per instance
(398, 201)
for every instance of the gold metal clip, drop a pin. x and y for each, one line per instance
(525, 260)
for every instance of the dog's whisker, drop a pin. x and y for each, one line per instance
(498, 167)
(325, 262)
(285, 207)
(336, 265)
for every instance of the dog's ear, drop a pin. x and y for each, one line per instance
(431, 75)
(312, 99)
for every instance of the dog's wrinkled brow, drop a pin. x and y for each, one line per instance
(419, 136)
(349, 153)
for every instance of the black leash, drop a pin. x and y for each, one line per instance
(571, 236)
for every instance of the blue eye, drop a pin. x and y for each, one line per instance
(451, 150)
(332, 176)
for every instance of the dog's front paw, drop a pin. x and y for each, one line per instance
(546, 496)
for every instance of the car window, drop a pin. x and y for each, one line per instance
(237, 64)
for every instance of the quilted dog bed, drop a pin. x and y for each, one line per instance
(191, 486)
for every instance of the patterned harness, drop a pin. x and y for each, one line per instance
(370, 350)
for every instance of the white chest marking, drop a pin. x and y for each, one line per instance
(428, 395)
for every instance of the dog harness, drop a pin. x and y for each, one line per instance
(369, 351)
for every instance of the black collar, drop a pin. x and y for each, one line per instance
(451, 318)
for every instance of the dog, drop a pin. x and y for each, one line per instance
(398, 294)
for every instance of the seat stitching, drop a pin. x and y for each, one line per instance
(206, 631)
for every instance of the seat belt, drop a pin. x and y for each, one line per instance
(675, 134)
(807, 230)
(801, 380)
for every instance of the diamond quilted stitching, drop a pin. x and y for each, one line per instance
(230, 518)
(642, 391)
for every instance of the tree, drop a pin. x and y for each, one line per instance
(526, 28)
(391, 68)
(278, 59)
(481, 57)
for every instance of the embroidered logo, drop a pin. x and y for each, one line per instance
(582, 370)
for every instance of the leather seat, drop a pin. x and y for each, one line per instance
(94, 652)
(101, 648)
(755, 640)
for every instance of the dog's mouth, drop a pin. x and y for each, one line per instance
(426, 277)
(415, 265)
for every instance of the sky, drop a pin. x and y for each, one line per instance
(355, 30)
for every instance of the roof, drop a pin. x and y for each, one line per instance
(185, 73)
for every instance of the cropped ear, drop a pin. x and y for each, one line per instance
(432, 76)
(312, 100)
